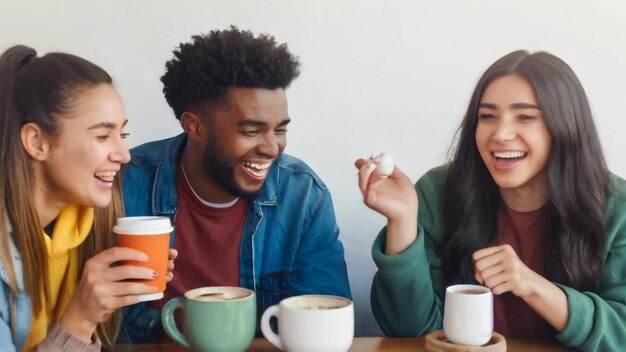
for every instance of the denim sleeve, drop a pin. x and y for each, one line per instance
(140, 324)
(5, 329)
(319, 264)
(5, 336)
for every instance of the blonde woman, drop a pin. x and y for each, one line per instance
(61, 128)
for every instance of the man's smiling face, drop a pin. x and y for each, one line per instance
(245, 138)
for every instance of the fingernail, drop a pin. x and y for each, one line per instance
(144, 257)
(155, 274)
(371, 167)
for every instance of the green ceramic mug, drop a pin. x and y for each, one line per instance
(216, 318)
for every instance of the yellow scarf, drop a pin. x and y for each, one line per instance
(70, 230)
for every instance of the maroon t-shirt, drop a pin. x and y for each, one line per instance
(207, 239)
(524, 231)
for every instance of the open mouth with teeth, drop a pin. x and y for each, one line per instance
(105, 176)
(509, 158)
(257, 170)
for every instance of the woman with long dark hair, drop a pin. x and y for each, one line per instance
(61, 129)
(525, 207)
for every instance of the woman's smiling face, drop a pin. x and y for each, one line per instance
(511, 134)
(87, 153)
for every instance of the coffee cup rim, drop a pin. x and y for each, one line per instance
(143, 225)
(216, 289)
(286, 302)
(454, 289)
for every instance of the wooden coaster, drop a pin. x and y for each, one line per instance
(436, 341)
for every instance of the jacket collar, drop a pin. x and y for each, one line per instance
(269, 192)
(164, 187)
(164, 199)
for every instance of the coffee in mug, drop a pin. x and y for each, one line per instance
(311, 323)
(216, 319)
(471, 292)
(468, 315)
(150, 235)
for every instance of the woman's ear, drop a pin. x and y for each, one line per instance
(35, 141)
(193, 125)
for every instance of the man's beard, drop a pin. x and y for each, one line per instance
(223, 172)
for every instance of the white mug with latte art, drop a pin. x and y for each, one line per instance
(311, 323)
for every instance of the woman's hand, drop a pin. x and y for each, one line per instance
(104, 288)
(170, 264)
(500, 269)
(395, 198)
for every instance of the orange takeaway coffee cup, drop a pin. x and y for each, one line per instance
(151, 235)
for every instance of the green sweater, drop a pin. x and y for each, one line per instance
(408, 289)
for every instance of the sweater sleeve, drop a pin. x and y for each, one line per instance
(407, 291)
(58, 339)
(402, 297)
(597, 320)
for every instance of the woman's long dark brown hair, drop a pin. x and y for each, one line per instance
(577, 174)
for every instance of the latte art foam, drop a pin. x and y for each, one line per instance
(314, 307)
(317, 302)
(217, 294)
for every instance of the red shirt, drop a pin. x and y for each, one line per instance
(207, 239)
(524, 231)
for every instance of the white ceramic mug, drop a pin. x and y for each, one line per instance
(311, 323)
(468, 315)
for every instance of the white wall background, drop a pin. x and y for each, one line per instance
(392, 75)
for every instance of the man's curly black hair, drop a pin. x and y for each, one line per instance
(202, 71)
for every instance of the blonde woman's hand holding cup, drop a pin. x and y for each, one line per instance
(105, 287)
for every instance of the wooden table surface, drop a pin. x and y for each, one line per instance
(362, 344)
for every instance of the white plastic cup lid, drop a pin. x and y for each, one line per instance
(143, 225)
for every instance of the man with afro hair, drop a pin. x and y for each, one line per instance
(245, 213)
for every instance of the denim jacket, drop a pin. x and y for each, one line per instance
(289, 244)
(15, 307)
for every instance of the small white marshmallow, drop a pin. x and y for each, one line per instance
(384, 164)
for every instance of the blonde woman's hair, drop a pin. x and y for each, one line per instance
(42, 90)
